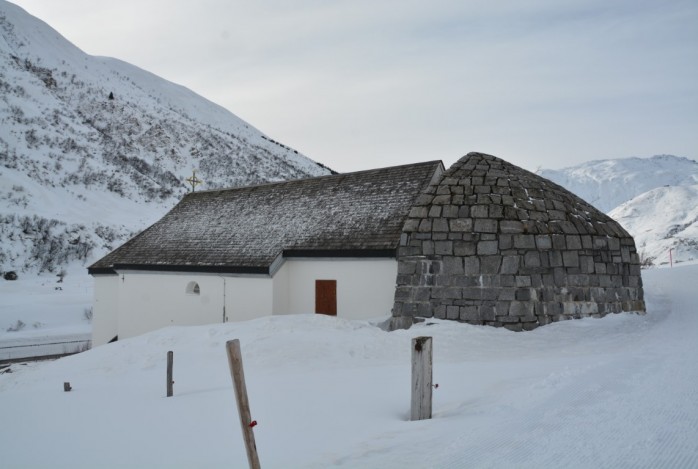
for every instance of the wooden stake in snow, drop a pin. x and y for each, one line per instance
(421, 378)
(246, 422)
(170, 359)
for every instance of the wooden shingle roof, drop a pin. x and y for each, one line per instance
(246, 229)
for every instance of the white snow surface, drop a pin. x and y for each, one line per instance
(613, 392)
(41, 316)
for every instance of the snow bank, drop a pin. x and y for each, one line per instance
(611, 392)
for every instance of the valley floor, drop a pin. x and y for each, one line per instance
(41, 316)
(593, 393)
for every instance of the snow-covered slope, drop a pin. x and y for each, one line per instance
(616, 392)
(74, 162)
(655, 199)
(662, 219)
(608, 183)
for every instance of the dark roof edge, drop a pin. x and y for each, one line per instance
(231, 269)
(369, 253)
(216, 269)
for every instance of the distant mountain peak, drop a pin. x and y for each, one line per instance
(608, 183)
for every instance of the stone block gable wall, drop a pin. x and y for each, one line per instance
(491, 243)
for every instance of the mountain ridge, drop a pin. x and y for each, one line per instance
(110, 138)
(654, 199)
(607, 183)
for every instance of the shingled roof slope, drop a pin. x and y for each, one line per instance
(246, 229)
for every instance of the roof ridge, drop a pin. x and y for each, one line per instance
(315, 178)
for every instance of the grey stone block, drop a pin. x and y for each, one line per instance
(425, 225)
(544, 242)
(523, 241)
(450, 211)
(464, 248)
(461, 224)
(485, 248)
(573, 242)
(485, 225)
(559, 242)
(442, 200)
(496, 211)
(453, 312)
(570, 259)
(471, 265)
(511, 226)
(443, 248)
(452, 266)
(523, 281)
(418, 212)
(440, 224)
(479, 211)
(490, 264)
(510, 265)
(532, 259)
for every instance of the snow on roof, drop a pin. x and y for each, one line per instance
(246, 229)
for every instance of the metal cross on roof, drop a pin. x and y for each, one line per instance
(194, 181)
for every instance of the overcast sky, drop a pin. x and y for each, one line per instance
(359, 84)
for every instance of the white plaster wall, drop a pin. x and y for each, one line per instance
(365, 287)
(133, 302)
(151, 300)
(105, 309)
(249, 297)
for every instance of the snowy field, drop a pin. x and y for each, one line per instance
(40, 316)
(594, 393)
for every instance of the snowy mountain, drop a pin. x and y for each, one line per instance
(655, 199)
(93, 149)
(608, 183)
(662, 219)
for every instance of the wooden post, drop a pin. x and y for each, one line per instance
(246, 422)
(170, 359)
(421, 378)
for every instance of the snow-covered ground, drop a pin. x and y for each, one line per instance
(40, 316)
(613, 392)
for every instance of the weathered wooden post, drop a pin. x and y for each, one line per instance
(421, 378)
(170, 359)
(246, 422)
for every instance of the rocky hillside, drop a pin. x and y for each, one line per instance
(93, 149)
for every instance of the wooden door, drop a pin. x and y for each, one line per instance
(326, 297)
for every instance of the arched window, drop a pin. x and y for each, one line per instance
(193, 288)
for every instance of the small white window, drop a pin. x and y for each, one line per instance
(193, 288)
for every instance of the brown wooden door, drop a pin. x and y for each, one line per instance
(326, 297)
